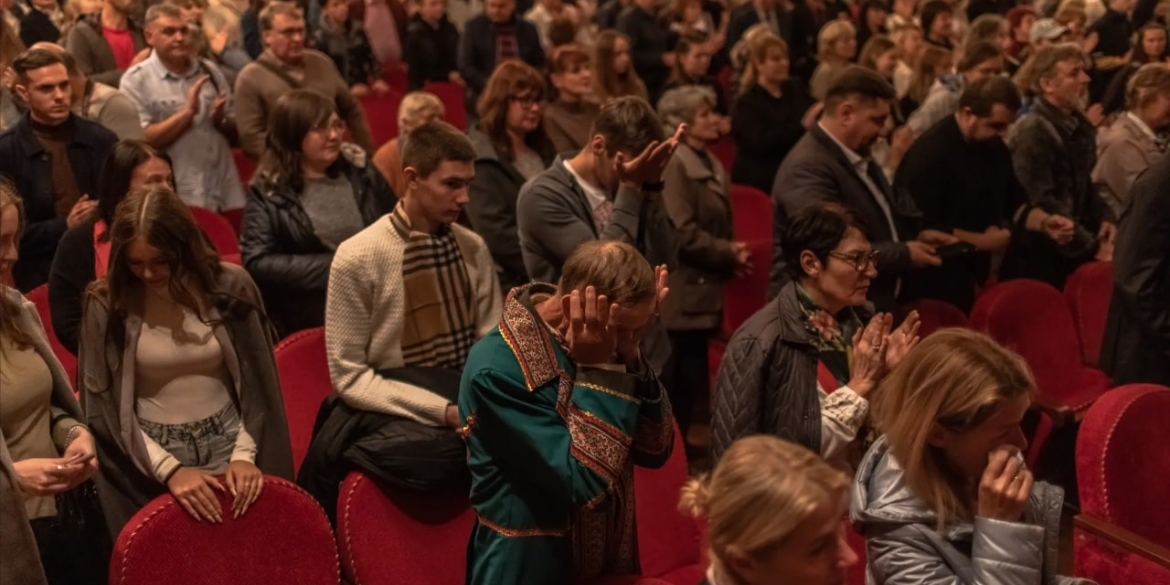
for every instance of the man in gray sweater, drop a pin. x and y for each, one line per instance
(610, 190)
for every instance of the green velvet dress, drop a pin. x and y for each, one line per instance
(551, 448)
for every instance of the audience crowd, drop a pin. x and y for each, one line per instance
(546, 286)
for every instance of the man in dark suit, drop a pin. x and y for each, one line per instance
(1136, 346)
(496, 35)
(832, 163)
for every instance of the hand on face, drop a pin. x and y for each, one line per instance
(1005, 486)
(649, 165)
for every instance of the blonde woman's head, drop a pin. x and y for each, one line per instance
(766, 58)
(418, 108)
(837, 41)
(774, 512)
(11, 217)
(952, 402)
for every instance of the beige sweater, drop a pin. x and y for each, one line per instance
(364, 312)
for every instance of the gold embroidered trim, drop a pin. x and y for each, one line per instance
(521, 532)
(605, 390)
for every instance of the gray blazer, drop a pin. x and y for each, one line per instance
(22, 561)
(903, 548)
(1124, 150)
(697, 201)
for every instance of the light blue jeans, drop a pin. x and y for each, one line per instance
(204, 444)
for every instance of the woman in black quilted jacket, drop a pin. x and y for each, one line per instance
(311, 192)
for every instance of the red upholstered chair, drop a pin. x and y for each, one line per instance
(724, 150)
(1122, 535)
(40, 297)
(452, 97)
(382, 116)
(934, 315)
(1089, 291)
(235, 217)
(752, 215)
(395, 74)
(668, 541)
(245, 165)
(1032, 319)
(393, 536)
(304, 384)
(218, 230)
(283, 538)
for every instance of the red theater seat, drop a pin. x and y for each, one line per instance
(382, 116)
(1122, 535)
(724, 150)
(1089, 291)
(668, 541)
(934, 315)
(218, 230)
(283, 538)
(304, 384)
(752, 217)
(245, 165)
(452, 97)
(40, 297)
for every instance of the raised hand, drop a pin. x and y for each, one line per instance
(649, 165)
(1005, 486)
(80, 211)
(902, 340)
(194, 97)
(592, 336)
(244, 482)
(867, 358)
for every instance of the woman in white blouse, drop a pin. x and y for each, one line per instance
(177, 368)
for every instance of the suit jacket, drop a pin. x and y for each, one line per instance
(1124, 150)
(697, 202)
(1136, 346)
(477, 52)
(817, 170)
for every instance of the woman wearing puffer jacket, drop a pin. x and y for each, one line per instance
(944, 498)
(311, 192)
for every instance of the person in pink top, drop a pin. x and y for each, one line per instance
(105, 42)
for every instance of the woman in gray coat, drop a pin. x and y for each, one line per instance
(944, 498)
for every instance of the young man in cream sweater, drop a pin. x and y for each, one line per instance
(414, 288)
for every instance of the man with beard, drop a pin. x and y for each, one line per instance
(832, 163)
(960, 175)
(1054, 150)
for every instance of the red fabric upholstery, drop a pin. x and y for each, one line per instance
(245, 165)
(1123, 460)
(399, 537)
(304, 384)
(1033, 319)
(222, 236)
(668, 541)
(283, 538)
(382, 116)
(934, 315)
(826, 379)
(724, 150)
(395, 74)
(452, 97)
(235, 217)
(752, 216)
(40, 297)
(1089, 291)
(856, 573)
(1108, 563)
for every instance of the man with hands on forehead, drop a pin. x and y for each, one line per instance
(558, 405)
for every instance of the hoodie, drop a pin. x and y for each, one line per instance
(903, 547)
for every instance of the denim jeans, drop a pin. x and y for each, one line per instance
(204, 444)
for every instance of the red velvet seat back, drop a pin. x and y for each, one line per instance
(245, 165)
(304, 384)
(40, 297)
(1123, 460)
(724, 150)
(455, 113)
(283, 538)
(382, 116)
(934, 315)
(399, 537)
(218, 230)
(752, 216)
(1089, 291)
(668, 540)
(1033, 319)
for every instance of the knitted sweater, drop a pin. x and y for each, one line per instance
(364, 312)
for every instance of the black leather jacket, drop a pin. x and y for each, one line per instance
(285, 257)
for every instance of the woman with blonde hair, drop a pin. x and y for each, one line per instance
(570, 115)
(773, 511)
(770, 113)
(932, 65)
(836, 47)
(908, 43)
(10, 47)
(613, 69)
(944, 496)
(417, 108)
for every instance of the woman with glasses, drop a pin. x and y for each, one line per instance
(802, 367)
(310, 193)
(511, 147)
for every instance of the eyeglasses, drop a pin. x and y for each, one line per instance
(526, 101)
(860, 261)
(330, 125)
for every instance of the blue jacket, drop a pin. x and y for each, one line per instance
(24, 162)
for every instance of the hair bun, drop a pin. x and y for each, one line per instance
(695, 496)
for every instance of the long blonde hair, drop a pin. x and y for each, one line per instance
(834, 31)
(955, 379)
(9, 311)
(924, 72)
(755, 52)
(761, 490)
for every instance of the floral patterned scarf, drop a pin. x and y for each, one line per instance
(831, 335)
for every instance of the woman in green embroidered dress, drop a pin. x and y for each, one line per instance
(801, 367)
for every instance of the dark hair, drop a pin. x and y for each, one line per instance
(976, 54)
(117, 172)
(509, 79)
(615, 269)
(67, 57)
(930, 11)
(1139, 50)
(607, 82)
(34, 59)
(686, 42)
(628, 125)
(295, 114)
(269, 13)
(875, 47)
(984, 94)
(561, 31)
(432, 143)
(863, 14)
(857, 81)
(818, 228)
